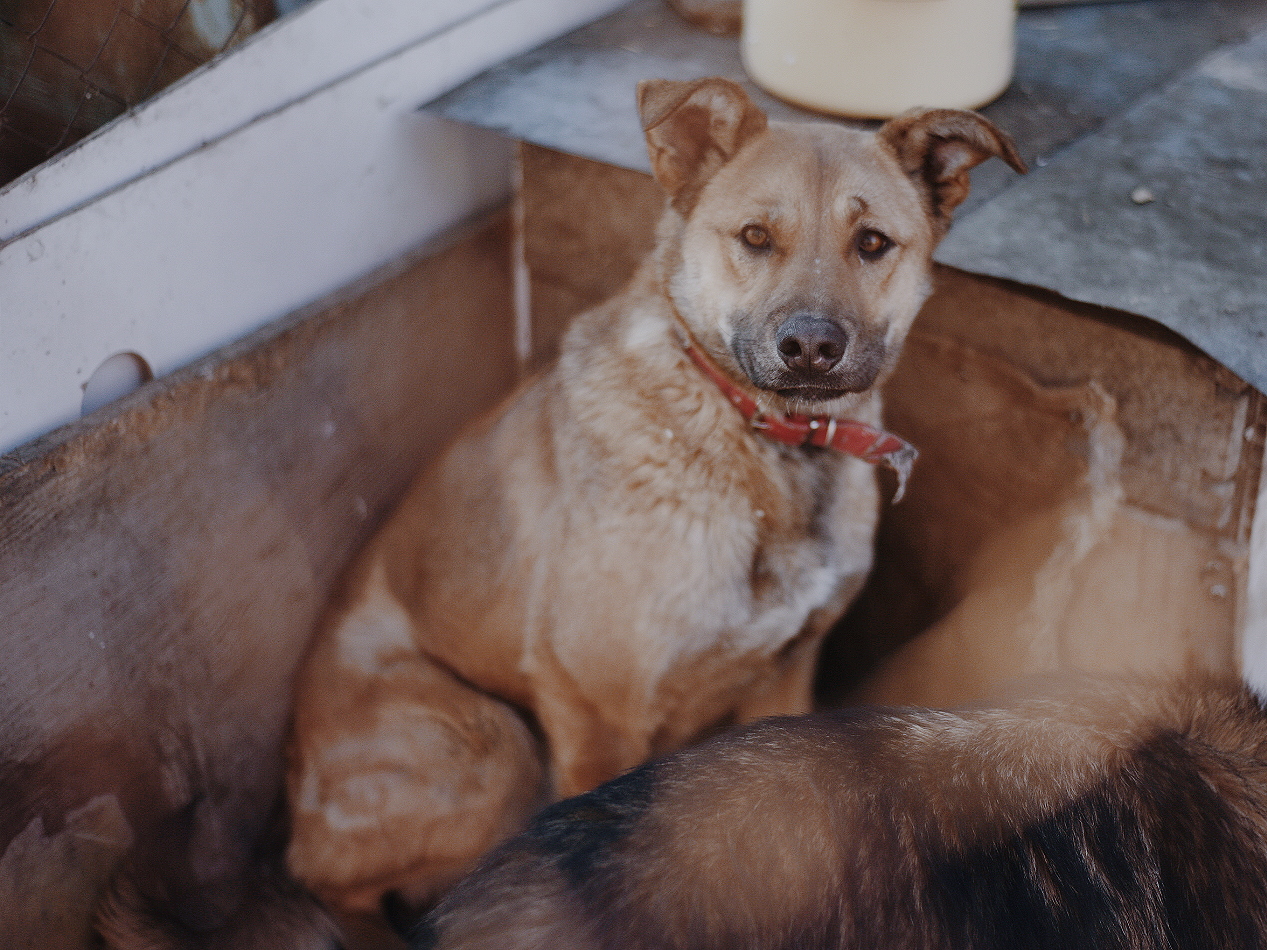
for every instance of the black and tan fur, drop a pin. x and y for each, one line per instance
(1112, 817)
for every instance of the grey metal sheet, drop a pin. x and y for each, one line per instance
(576, 94)
(1107, 98)
(1195, 257)
(1076, 67)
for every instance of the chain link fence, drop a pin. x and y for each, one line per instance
(67, 67)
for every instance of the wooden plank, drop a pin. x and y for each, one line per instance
(587, 225)
(1036, 538)
(161, 566)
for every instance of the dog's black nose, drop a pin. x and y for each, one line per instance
(811, 345)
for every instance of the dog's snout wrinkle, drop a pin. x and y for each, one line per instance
(811, 345)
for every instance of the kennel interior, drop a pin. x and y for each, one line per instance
(1089, 420)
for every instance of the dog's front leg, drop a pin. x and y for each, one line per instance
(787, 688)
(587, 748)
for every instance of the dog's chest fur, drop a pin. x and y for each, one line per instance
(752, 536)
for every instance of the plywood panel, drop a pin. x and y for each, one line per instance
(161, 566)
(1089, 586)
(1189, 423)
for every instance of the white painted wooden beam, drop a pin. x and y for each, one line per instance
(275, 175)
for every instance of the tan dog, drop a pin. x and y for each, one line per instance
(616, 561)
(1121, 817)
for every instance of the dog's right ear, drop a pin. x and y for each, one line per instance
(693, 128)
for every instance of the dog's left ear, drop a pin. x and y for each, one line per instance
(693, 128)
(939, 147)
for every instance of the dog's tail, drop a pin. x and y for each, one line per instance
(278, 915)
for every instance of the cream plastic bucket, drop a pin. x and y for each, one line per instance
(876, 58)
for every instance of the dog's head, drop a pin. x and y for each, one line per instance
(802, 252)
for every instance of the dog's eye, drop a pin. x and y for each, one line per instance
(756, 237)
(872, 244)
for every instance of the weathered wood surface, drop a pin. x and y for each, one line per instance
(162, 563)
(586, 227)
(1063, 517)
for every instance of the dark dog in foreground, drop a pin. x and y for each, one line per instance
(1108, 818)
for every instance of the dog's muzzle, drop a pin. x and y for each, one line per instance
(818, 358)
(811, 346)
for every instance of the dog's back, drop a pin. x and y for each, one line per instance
(1095, 820)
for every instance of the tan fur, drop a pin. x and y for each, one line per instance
(614, 556)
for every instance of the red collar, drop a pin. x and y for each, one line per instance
(790, 428)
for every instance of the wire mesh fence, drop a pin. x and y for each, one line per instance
(67, 67)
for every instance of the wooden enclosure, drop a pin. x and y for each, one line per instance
(1083, 500)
